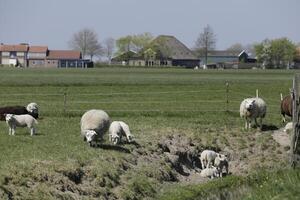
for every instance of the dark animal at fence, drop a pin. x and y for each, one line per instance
(286, 107)
(17, 110)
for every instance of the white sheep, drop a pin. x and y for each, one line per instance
(118, 129)
(220, 163)
(94, 124)
(14, 121)
(207, 158)
(210, 172)
(251, 109)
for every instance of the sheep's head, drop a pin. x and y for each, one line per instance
(8, 117)
(32, 108)
(130, 138)
(90, 135)
(115, 139)
(249, 105)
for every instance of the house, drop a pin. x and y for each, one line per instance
(15, 55)
(37, 56)
(40, 56)
(123, 59)
(164, 50)
(66, 59)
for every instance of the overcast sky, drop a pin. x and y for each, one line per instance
(53, 22)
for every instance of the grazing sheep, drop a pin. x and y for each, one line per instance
(14, 121)
(211, 172)
(220, 162)
(286, 107)
(251, 109)
(31, 109)
(94, 124)
(118, 129)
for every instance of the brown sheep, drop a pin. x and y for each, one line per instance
(286, 107)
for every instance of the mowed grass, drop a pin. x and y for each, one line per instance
(154, 102)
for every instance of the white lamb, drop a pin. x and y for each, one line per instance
(207, 158)
(251, 109)
(118, 129)
(14, 121)
(94, 124)
(220, 163)
(211, 172)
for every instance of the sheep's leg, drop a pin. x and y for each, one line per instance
(283, 118)
(9, 131)
(261, 124)
(32, 131)
(13, 130)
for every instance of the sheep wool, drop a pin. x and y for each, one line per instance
(251, 109)
(94, 120)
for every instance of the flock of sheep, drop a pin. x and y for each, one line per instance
(95, 123)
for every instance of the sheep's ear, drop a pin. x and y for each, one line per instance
(84, 138)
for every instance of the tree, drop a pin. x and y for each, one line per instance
(86, 41)
(276, 53)
(133, 42)
(109, 45)
(237, 47)
(206, 42)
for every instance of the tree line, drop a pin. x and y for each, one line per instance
(275, 53)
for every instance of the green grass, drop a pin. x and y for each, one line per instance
(154, 102)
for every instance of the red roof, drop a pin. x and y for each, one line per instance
(38, 49)
(64, 54)
(18, 47)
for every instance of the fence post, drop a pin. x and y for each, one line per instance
(65, 102)
(227, 96)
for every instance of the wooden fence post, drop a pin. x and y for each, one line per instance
(65, 102)
(227, 97)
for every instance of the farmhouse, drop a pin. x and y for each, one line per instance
(14, 54)
(24, 55)
(164, 50)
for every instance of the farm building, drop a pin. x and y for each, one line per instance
(24, 55)
(14, 54)
(219, 58)
(162, 51)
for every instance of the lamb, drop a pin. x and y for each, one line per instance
(94, 123)
(118, 129)
(14, 121)
(286, 107)
(221, 162)
(288, 127)
(211, 172)
(31, 109)
(251, 109)
(207, 158)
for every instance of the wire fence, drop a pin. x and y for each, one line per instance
(202, 100)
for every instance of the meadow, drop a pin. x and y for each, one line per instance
(156, 103)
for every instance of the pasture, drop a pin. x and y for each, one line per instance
(156, 104)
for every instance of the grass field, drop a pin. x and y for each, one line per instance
(57, 164)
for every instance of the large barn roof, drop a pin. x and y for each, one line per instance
(170, 47)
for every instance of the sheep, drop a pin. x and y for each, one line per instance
(14, 121)
(207, 158)
(251, 109)
(118, 129)
(94, 123)
(211, 172)
(286, 107)
(31, 109)
(220, 162)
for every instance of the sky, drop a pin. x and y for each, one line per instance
(53, 22)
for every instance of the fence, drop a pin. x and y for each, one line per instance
(295, 146)
(226, 99)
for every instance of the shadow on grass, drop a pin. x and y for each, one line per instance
(269, 127)
(113, 147)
